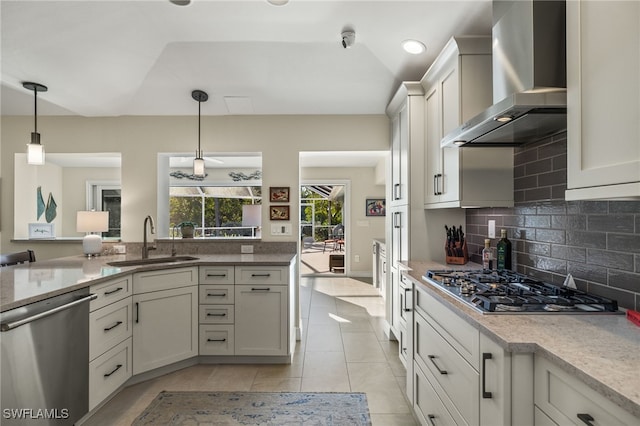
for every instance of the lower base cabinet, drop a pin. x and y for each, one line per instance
(428, 407)
(563, 399)
(261, 324)
(109, 371)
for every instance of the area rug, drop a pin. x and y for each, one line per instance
(256, 408)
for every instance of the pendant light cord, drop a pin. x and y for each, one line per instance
(35, 110)
(199, 150)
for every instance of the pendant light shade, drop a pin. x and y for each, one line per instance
(198, 163)
(35, 150)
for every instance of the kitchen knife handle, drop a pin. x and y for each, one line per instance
(432, 359)
(586, 419)
(485, 357)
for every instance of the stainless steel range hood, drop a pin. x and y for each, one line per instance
(529, 77)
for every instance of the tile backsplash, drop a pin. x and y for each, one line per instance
(597, 242)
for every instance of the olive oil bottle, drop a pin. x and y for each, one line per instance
(504, 251)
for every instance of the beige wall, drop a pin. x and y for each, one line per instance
(139, 139)
(360, 229)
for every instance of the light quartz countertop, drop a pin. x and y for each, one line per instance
(29, 283)
(602, 350)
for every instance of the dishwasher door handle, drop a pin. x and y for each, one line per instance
(11, 325)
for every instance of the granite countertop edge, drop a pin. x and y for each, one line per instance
(593, 373)
(76, 265)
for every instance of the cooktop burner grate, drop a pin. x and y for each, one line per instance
(508, 291)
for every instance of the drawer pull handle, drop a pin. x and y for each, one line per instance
(586, 418)
(108, 293)
(113, 326)
(137, 312)
(216, 340)
(216, 295)
(485, 357)
(432, 358)
(260, 275)
(118, 367)
(217, 275)
(261, 289)
(431, 419)
(216, 315)
(407, 292)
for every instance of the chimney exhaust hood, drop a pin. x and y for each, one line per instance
(529, 77)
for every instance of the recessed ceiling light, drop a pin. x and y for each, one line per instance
(414, 47)
(278, 2)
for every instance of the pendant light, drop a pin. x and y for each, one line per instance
(198, 162)
(35, 151)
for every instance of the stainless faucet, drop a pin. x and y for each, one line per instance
(145, 249)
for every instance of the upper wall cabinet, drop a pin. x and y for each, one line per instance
(603, 100)
(457, 87)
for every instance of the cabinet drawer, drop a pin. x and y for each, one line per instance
(459, 381)
(271, 275)
(110, 291)
(460, 334)
(563, 398)
(109, 326)
(166, 279)
(108, 372)
(428, 407)
(216, 314)
(216, 294)
(217, 275)
(216, 340)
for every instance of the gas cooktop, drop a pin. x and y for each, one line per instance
(494, 292)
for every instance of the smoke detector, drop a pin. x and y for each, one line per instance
(348, 39)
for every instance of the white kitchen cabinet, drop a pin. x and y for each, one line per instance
(398, 251)
(603, 100)
(564, 399)
(165, 315)
(110, 331)
(458, 86)
(400, 157)
(405, 331)
(261, 325)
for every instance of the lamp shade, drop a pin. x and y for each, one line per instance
(35, 154)
(92, 221)
(252, 215)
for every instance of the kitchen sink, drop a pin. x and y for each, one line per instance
(152, 261)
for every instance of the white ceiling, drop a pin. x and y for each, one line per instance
(112, 58)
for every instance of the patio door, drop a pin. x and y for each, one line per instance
(323, 240)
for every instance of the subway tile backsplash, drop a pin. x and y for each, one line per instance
(597, 242)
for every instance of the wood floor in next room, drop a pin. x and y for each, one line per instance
(344, 349)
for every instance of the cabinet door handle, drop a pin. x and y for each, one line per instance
(397, 220)
(113, 326)
(216, 295)
(396, 191)
(435, 184)
(118, 367)
(217, 275)
(407, 291)
(216, 315)
(485, 357)
(586, 419)
(137, 312)
(431, 418)
(216, 340)
(260, 275)
(107, 293)
(261, 289)
(432, 358)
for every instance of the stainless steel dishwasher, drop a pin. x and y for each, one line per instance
(44, 361)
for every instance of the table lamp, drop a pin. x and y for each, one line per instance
(92, 221)
(252, 216)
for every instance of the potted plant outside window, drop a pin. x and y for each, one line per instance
(186, 229)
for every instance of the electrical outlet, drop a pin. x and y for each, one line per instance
(492, 229)
(356, 258)
(246, 249)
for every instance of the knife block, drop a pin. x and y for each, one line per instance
(457, 260)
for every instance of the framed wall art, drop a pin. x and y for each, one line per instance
(41, 230)
(279, 194)
(279, 212)
(376, 207)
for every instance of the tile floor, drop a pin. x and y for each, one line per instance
(344, 349)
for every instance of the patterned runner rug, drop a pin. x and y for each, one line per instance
(256, 408)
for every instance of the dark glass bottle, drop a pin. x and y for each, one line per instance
(504, 251)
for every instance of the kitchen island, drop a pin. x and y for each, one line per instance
(602, 351)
